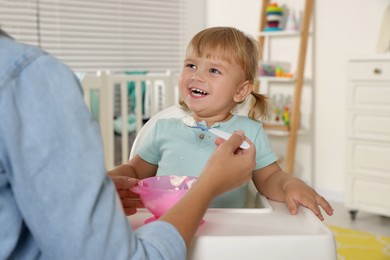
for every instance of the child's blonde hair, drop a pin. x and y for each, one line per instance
(232, 45)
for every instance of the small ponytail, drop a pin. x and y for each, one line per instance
(259, 107)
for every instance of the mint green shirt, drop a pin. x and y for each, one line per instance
(180, 150)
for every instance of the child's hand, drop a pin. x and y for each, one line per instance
(130, 201)
(298, 193)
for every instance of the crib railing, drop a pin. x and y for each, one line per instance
(159, 93)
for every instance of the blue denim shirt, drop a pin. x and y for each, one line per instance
(56, 201)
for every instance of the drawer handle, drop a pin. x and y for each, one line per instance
(377, 71)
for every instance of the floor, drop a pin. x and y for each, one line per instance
(364, 221)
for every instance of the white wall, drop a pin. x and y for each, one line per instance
(340, 35)
(243, 14)
(342, 29)
(195, 18)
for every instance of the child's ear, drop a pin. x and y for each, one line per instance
(243, 91)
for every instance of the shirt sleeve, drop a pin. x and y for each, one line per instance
(149, 150)
(54, 163)
(264, 154)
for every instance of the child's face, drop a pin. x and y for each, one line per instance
(210, 87)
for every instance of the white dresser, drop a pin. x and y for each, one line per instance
(368, 135)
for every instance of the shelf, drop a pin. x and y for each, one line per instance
(298, 79)
(282, 133)
(277, 79)
(283, 80)
(278, 127)
(279, 33)
(281, 130)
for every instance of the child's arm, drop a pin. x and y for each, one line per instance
(135, 168)
(277, 185)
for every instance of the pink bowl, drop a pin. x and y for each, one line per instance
(160, 193)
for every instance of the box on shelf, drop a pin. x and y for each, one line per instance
(275, 69)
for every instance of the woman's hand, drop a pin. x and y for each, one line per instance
(229, 166)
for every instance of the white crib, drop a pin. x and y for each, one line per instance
(160, 92)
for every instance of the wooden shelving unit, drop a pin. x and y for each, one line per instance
(297, 81)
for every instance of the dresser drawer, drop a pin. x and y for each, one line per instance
(369, 195)
(366, 124)
(368, 158)
(369, 95)
(369, 70)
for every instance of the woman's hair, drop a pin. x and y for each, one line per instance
(232, 45)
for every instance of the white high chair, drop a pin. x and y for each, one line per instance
(226, 230)
(254, 198)
(170, 112)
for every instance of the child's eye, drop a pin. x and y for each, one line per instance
(215, 71)
(191, 66)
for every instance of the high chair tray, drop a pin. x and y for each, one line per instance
(258, 233)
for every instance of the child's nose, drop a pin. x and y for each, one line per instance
(197, 76)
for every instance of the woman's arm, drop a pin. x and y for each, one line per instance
(227, 168)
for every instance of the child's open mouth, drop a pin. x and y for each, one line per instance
(198, 92)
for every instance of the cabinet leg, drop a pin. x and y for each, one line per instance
(353, 214)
